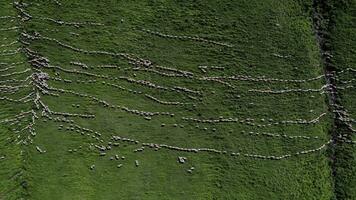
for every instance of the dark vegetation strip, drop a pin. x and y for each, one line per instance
(342, 160)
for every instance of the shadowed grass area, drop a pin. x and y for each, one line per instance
(342, 42)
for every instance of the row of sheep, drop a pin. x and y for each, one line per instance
(268, 79)
(250, 121)
(17, 117)
(197, 150)
(152, 70)
(123, 108)
(193, 38)
(15, 73)
(23, 14)
(10, 52)
(264, 79)
(119, 87)
(323, 89)
(131, 80)
(11, 43)
(279, 135)
(75, 24)
(113, 54)
(205, 68)
(165, 102)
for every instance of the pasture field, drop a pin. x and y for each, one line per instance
(153, 99)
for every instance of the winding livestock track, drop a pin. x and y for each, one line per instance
(95, 103)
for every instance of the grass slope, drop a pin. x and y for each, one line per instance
(270, 38)
(12, 175)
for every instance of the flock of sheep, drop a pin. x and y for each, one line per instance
(39, 78)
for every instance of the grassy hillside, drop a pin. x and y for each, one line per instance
(120, 90)
(12, 156)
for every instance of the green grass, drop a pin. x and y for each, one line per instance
(342, 46)
(12, 176)
(256, 29)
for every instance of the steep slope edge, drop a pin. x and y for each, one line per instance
(341, 152)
